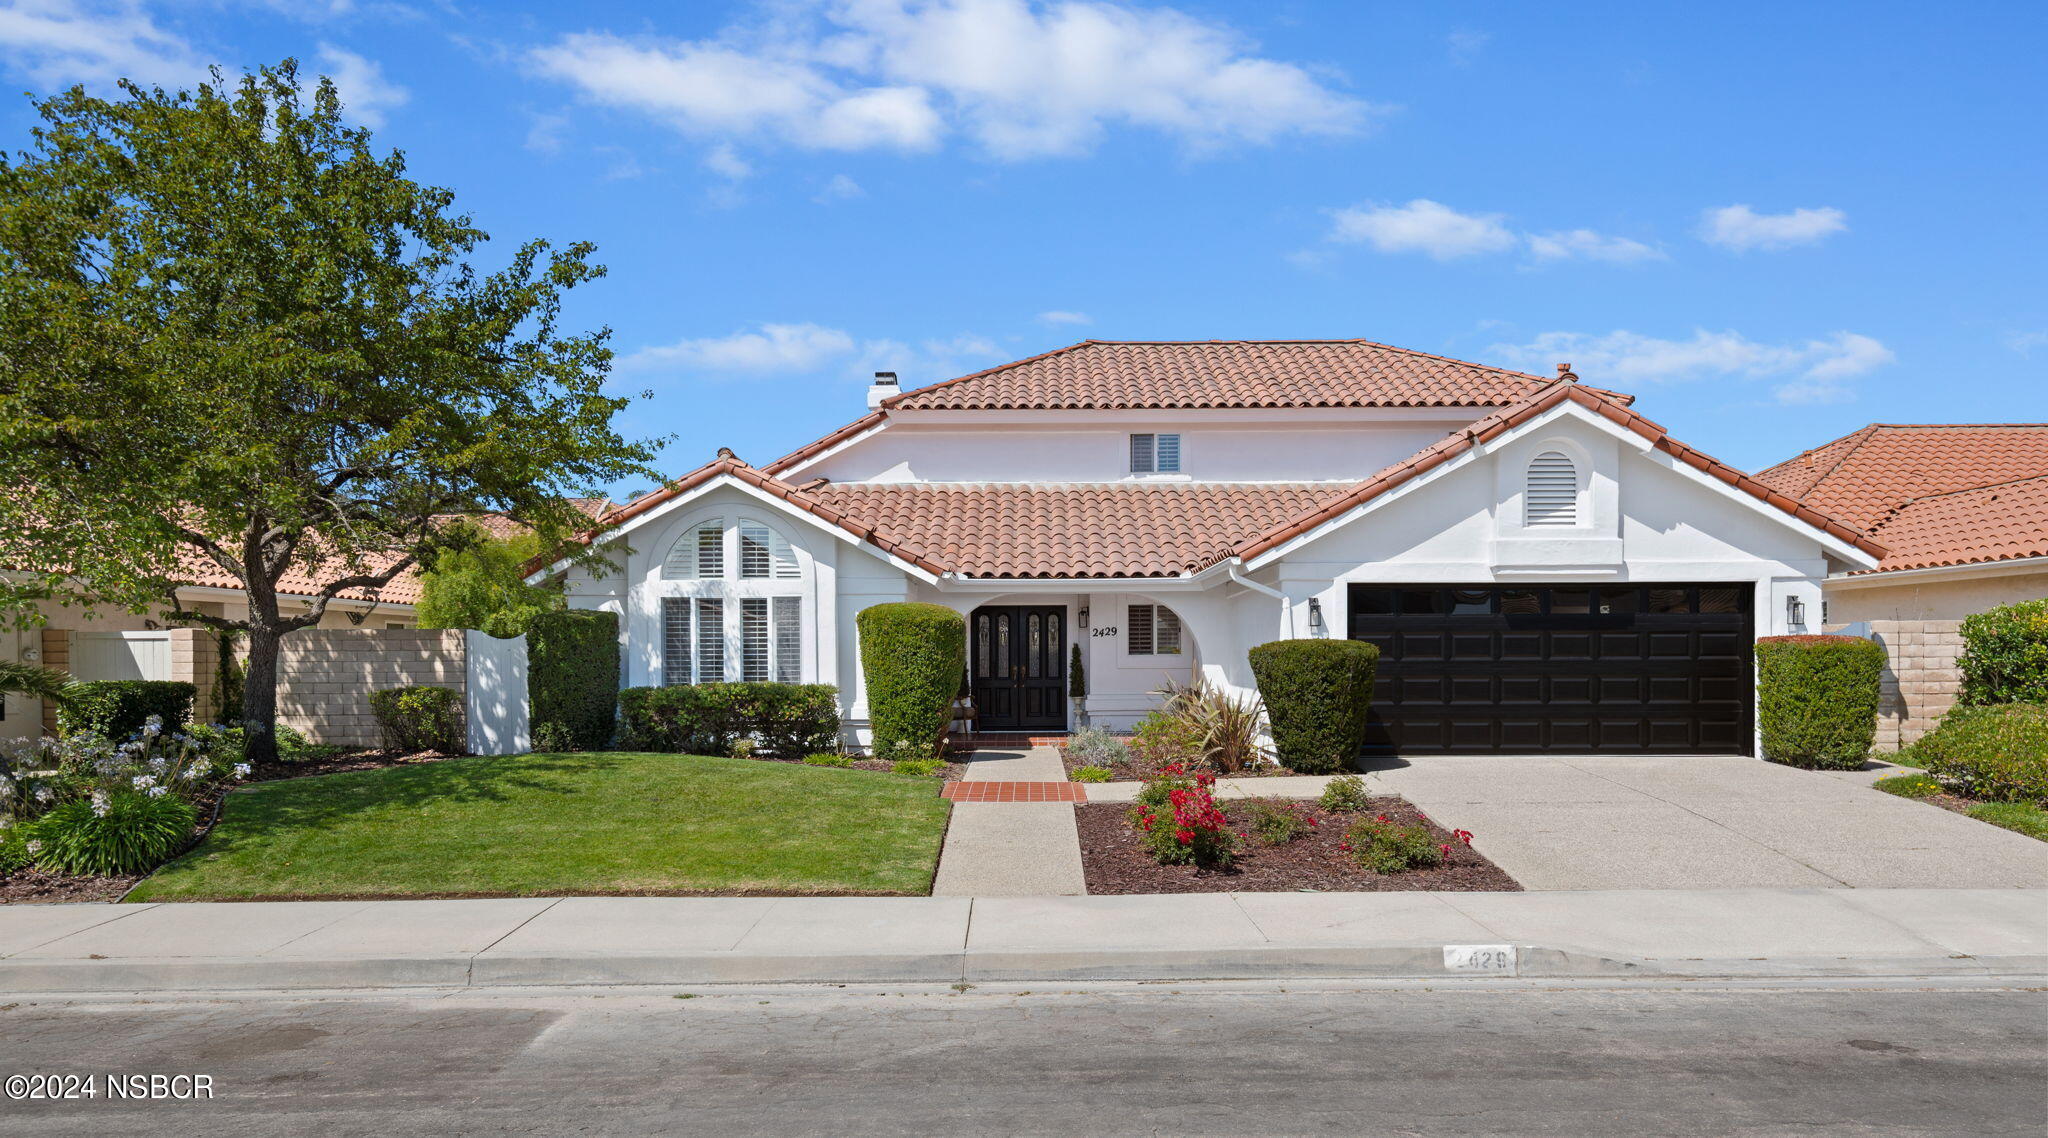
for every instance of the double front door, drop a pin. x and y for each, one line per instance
(1017, 658)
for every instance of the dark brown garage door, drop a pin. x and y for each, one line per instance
(1644, 669)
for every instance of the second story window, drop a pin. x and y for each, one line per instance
(1155, 454)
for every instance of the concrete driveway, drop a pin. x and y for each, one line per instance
(1613, 822)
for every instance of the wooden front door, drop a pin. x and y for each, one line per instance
(1018, 656)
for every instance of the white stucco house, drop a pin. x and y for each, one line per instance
(1543, 569)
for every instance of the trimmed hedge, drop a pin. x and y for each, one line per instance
(572, 679)
(789, 720)
(117, 708)
(1317, 695)
(1817, 699)
(2005, 655)
(911, 655)
(421, 718)
(1997, 753)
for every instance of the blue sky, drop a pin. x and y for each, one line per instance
(1773, 223)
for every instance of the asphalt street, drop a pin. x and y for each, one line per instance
(1485, 1057)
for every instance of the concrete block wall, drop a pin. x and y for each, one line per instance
(1922, 681)
(195, 654)
(56, 654)
(326, 675)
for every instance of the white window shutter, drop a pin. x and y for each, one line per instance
(754, 639)
(1142, 459)
(711, 550)
(1551, 496)
(789, 640)
(675, 641)
(1166, 454)
(710, 640)
(1140, 619)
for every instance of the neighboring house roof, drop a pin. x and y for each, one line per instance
(1097, 530)
(1861, 477)
(1934, 494)
(1207, 374)
(1998, 522)
(404, 589)
(1021, 530)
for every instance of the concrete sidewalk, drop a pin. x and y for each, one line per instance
(1011, 849)
(621, 940)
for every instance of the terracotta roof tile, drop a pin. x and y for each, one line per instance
(1074, 530)
(404, 589)
(1193, 374)
(1860, 477)
(1984, 523)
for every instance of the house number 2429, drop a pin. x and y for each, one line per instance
(1106, 630)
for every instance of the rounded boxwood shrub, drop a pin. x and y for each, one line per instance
(1997, 753)
(421, 718)
(788, 720)
(1317, 695)
(2005, 655)
(572, 679)
(1817, 699)
(117, 708)
(910, 655)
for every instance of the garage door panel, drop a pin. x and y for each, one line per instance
(1640, 669)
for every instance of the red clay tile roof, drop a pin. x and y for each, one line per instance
(1194, 374)
(404, 589)
(1074, 530)
(1984, 523)
(1507, 419)
(1861, 477)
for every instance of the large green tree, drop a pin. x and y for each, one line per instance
(482, 584)
(233, 336)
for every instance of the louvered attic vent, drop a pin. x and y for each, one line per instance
(1552, 495)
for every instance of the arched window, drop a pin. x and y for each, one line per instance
(1551, 496)
(744, 624)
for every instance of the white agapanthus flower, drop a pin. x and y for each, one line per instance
(154, 725)
(158, 764)
(143, 781)
(35, 847)
(241, 770)
(43, 794)
(101, 804)
(157, 792)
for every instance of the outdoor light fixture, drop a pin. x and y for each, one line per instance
(1315, 617)
(1084, 618)
(1795, 612)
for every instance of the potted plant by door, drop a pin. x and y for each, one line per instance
(1077, 689)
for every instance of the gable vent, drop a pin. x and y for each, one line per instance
(1552, 495)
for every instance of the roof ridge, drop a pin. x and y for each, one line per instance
(1955, 426)
(1315, 340)
(892, 400)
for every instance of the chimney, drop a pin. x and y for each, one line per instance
(883, 387)
(1565, 374)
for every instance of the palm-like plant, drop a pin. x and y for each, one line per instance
(33, 681)
(1227, 727)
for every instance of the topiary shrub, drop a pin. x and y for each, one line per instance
(572, 679)
(787, 720)
(118, 708)
(2005, 655)
(1817, 699)
(1317, 694)
(910, 656)
(421, 718)
(1998, 753)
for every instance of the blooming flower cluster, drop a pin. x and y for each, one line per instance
(1187, 827)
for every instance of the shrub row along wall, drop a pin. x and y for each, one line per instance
(326, 675)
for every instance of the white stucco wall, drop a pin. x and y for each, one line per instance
(1092, 447)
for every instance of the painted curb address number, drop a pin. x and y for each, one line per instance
(1497, 959)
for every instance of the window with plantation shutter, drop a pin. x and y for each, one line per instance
(1155, 454)
(789, 640)
(754, 639)
(1154, 631)
(765, 554)
(675, 641)
(698, 555)
(1551, 497)
(710, 640)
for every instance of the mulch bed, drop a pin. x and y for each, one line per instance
(1114, 862)
(1143, 771)
(33, 887)
(343, 761)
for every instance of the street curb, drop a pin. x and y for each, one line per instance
(1416, 962)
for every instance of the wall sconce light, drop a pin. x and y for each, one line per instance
(1795, 612)
(1084, 618)
(1315, 618)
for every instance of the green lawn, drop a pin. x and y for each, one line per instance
(588, 823)
(2020, 817)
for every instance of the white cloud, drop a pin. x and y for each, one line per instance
(57, 43)
(1022, 80)
(723, 162)
(2025, 342)
(1057, 316)
(770, 350)
(1422, 226)
(1741, 228)
(1816, 371)
(365, 93)
(1576, 243)
(839, 188)
(1465, 45)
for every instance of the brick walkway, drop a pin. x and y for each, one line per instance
(993, 791)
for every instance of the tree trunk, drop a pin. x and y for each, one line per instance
(259, 696)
